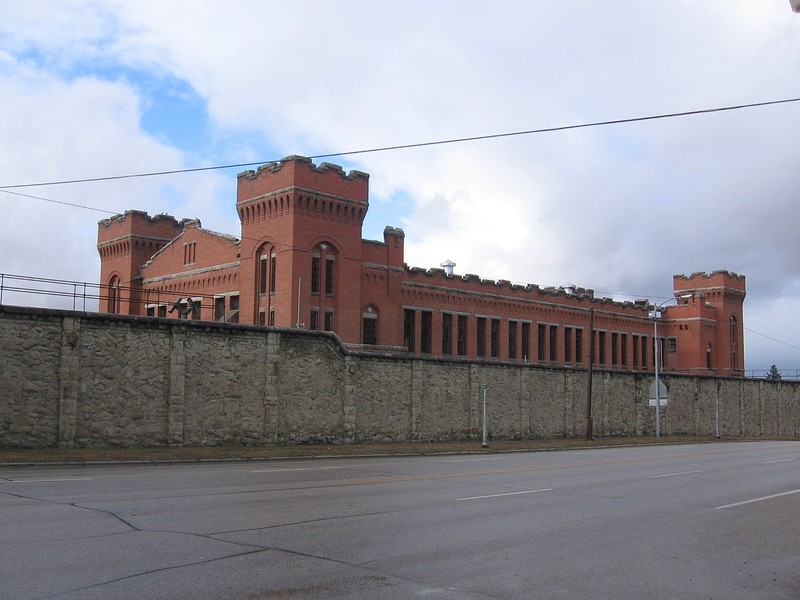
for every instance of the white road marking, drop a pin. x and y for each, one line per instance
(298, 469)
(757, 499)
(474, 459)
(501, 495)
(769, 462)
(49, 480)
(673, 474)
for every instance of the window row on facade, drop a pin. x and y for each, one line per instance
(490, 337)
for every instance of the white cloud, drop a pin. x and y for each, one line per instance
(618, 208)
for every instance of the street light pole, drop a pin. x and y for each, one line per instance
(485, 443)
(655, 367)
(657, 383)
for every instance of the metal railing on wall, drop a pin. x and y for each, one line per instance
(43, 292)
(23, 290)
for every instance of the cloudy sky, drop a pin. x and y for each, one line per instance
(91, 89)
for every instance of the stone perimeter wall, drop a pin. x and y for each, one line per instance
(74, 379)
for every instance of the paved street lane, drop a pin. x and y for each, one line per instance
(684, 521)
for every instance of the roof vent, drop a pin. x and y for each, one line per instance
(448, 266)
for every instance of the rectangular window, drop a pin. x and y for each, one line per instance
(567, 344)
(495, 342)
(262, 318)
(553, 343)
(273, 263)
(426, 330)
(151, 311)
(219, 308)
(328, 320)
(623, 339)
(447, 333)
(314, 319)
(329, 276)
(644, 351)
(461, 342)
(541, 342)
(614, 348)
(601, 350)
(262, 276)
(480, 334)
(272, 317)
(672, 344)
(526, 342)
(635, 350)
(234, 302)
(409, 329)
(512, 339)
(370, 330)
(579, 346)
(315, 274)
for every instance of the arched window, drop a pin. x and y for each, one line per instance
(708, 356)
(323, 269)
(266, 264)
(734, 329)
(114, 293)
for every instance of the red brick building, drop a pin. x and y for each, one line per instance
(301, 262)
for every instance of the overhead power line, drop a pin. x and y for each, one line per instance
(102, 210)
(418, 144)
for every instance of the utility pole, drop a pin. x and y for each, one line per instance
(589, 373)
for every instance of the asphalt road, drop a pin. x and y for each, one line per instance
(699, 521)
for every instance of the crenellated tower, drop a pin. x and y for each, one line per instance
(708, 322)
(125, 242)
(301, 237)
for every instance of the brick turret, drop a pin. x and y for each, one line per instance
(125, 242)
(301, 227)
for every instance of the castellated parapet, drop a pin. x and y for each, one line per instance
(300, 172)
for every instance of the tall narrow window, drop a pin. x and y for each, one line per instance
(708, 356)
(553, 343)
(624, 349)
(541, 342)
(567, 344)
(426, 331)
(579, 346)
(614, 348)
(643, 341)
(447, 333)
(635, 351)
(262, 275)
(526, 341)
(601, 347)
(409, 329)
(114, 300)
(329, 287)
(461, 341)
(273, 273)
(314, 321)
(315, 274)
(370, 329)
(328, 320)
(480, 334)
(495, 342)
(734, 342)
(512, 339)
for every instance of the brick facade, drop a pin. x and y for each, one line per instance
(301, 262)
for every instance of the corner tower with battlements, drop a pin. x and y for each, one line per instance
(125, 242)
(301, 244)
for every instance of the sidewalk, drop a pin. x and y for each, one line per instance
(230, 453)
